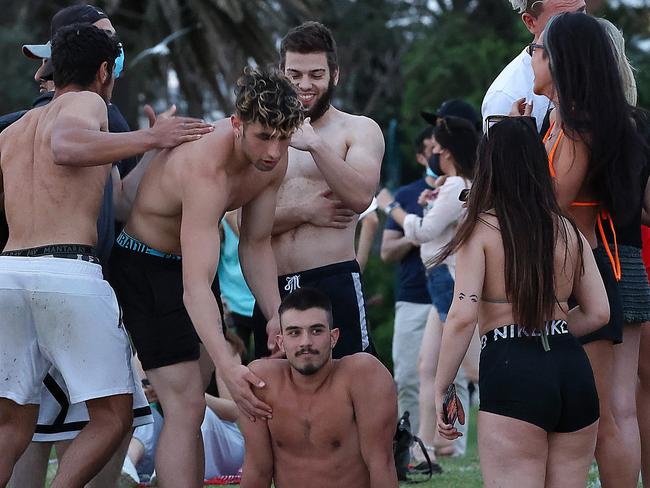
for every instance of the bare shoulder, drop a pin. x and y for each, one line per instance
(82, 99)
(269, 370)
(360, 125)
(206, 159)
(364, 367)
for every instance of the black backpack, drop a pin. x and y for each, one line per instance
(402, 443)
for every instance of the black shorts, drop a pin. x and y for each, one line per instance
(554, 390)
(613, 330)
(342, 283)
(150, 290)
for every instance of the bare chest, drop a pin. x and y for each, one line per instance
(318, 424)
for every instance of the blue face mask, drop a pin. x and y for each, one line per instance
(431, 173)
(119, 64)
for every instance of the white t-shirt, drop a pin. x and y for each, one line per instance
(514, 82)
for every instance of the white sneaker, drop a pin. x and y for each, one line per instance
(129, 477)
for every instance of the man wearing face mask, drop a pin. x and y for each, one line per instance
(414, 325)
(59, 421)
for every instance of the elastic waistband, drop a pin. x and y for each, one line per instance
(81, 252)
(290, 282)
(515, 331)
(50, 264)
(132, 244)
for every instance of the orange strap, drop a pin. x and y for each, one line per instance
(613, 258)
(551, 155)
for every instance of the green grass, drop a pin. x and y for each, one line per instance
(457, 472)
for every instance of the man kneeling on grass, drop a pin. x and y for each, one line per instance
(333, 420)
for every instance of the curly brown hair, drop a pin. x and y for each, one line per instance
(268, 97)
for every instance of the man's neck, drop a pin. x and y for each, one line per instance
(311, 383)
(325, 118)
(67, 89)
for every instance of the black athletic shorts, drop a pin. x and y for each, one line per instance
(342, 283)
(554, 390)
(150, 290)
(613, 330)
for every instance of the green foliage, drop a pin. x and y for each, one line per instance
(458, 56)
(378, 282)
(17, 83)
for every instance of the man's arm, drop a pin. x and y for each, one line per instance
(256, 254)
(257, 471)
(394, 246)
(369, 226)
(79, 136)
(375, 409)
(496, 103)
(203, 204)
(321, 210)
(354, 179)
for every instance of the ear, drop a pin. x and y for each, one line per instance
(237, 125)
(334, 337)
(280, 342)
(104, 73)
(336, 77)
(530, 22)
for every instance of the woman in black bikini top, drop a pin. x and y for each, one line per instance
(517, 260)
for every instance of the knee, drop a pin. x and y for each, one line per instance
(188, 411)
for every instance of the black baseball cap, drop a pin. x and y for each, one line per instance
(455, 108)
(76, 14)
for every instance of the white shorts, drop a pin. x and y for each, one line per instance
(58, 420)
(60, 312)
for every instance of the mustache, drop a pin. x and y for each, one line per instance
(308, 350)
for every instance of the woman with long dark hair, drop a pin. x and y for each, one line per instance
(517, 262)
(454, 159)
(595, 157)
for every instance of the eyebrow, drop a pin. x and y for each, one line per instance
(313, 71)
(313, 326)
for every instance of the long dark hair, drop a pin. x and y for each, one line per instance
(460, 138)
(593, 107)
(513, 180)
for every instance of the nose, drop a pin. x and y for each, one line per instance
(304, 84)
(274, 150)
(39, 71)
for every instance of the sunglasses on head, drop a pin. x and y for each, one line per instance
(530, 49)
(493, 120)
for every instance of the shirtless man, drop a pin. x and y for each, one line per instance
(333, 420)
(57, 309)
(172, 304)
(334, 166)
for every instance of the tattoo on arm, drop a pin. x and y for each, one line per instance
(473, 298)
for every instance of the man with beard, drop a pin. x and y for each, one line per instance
(333, 420)
(165, 261)
(334, 167)
(57, 309)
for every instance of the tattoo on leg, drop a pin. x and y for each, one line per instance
(473, 298)
(461, 296)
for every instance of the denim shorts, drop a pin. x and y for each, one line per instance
(441, 288)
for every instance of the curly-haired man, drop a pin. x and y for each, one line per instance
(171, 304)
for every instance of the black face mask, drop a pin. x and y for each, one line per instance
(434, 164)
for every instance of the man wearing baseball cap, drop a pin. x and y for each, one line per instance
(413, 304)
(59, 421)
